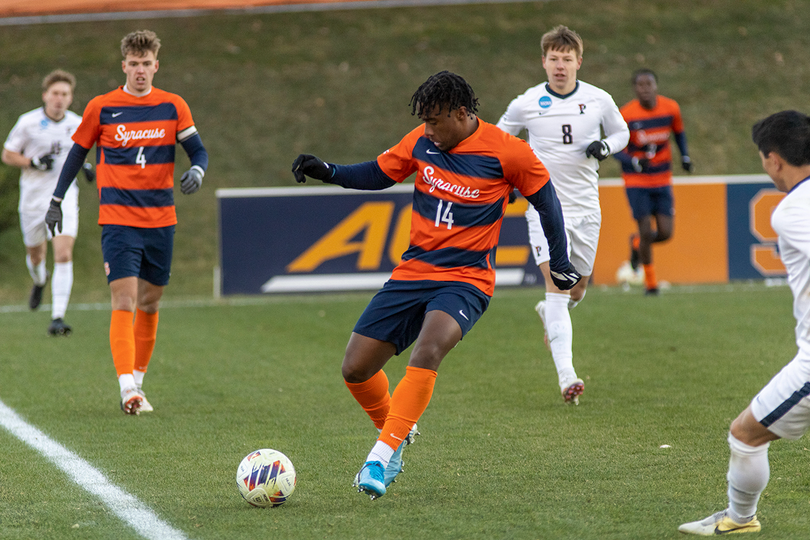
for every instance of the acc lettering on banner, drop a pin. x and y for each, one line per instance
(371, 221)
(765, 257)
(365, 232)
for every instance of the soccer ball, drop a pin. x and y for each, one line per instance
(266, 478)
(626, 275)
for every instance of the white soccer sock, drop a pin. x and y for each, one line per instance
(560, 332)
(748, 474)
(381, 452)
(61, 285)
(138, 376)
(574, 303)
(126, 381)
(38, 272)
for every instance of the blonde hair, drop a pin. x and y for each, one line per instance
(562, 39)
(57, 76)
(140, 42)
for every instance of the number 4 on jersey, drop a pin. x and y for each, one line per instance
(140, 159)
(446, 217)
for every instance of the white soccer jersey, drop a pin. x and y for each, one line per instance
(560, 129)
(791, 221)
(36, 135)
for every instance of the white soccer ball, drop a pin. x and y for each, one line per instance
(626, 274)
(266, 478)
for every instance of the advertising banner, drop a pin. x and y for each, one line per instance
(307, 239)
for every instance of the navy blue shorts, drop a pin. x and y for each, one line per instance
(133, 251)
(397, 311)
(651, 201)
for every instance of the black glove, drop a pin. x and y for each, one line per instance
(191, 180)
(89, 173)
(598, 149)
(512, 196)
(686, 163)
(53, 218)
(309, 165)
(44, 163)
(567, 279)
(639, 165)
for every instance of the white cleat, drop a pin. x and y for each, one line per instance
(540, 308)
(719, 523)
(571, 389)
(131, 401)
(145, 405)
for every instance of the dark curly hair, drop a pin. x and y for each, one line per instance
(444, 89)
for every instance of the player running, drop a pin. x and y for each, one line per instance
(782, 408)
(38, 145)
(564, 118)
(647, 169)
(135, 129)
(465, 170)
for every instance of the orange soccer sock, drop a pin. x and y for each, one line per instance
(145, 330)
(650, 279)
(122, 341)
(373, 396)
(409, 401)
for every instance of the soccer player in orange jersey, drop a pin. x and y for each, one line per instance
(647, 168)
(465, 170)
(135, 129)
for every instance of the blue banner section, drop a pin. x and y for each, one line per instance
(326, 238)
(742, 201)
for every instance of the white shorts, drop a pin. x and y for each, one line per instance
(35, 232)
(783, 406)
(583, 237)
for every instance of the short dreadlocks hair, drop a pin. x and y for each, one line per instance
(444, 89)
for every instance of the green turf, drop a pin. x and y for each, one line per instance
(264, 88)
(500, 455)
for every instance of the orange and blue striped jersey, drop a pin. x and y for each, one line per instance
(650, 131)
(135, 141)
(459, 201)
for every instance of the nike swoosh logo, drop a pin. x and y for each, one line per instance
(395, 437)
(117, 114)
(433, 153)
(462, 314)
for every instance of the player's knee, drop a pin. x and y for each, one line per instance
(353, 372)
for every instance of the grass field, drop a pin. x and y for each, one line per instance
(500, 455)
(264, 88)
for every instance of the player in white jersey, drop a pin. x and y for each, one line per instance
(564, 118)
(782, 407)
(38, 144)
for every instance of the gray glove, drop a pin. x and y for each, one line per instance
(191, 180)
(53, 218)
(43, 163)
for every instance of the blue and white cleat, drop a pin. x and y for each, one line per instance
(395, 465)
(370, 479)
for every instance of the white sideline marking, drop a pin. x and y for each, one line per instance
(136, 514)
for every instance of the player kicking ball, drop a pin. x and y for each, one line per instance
(781, 410)
(465, 170)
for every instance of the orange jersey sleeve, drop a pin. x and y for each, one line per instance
(459, 201)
